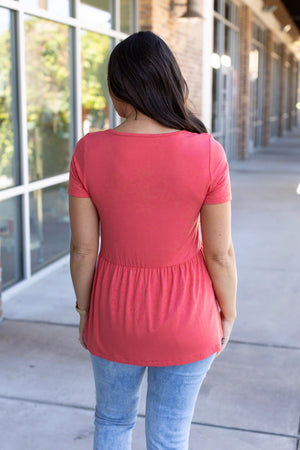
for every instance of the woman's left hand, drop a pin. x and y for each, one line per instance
(81, 327)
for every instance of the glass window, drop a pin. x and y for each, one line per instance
(95, 105)
(125, 15)
(288, 84)
(224, 63)
(215, 102)
(49, 225)
(216, 76)
(9, 169)
(237, 15)
(96, 13)
(48, 97)
(275, 86)
(217, 5)
(256, 71)
(59, 7)
(228, 7)
(227, 44)
(296, 93)
(10, 241)
(277, 48)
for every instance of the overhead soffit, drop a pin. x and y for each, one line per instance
(287, 13)
(293, 7)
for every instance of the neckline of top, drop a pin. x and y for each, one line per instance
(123, 133)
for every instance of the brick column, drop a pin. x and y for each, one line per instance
(244, 81)
(282, 92)
(292, 106)
(267, 88)
(145, 15)
(183, 37)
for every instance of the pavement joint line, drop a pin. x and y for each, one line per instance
(275, 269)
(142, 416)
(232, 341)
(42, 322)
(261, 344)
(46, 402)
(263, 172)
(246, 430)
(298, 441)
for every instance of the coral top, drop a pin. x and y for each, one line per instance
(152, 302)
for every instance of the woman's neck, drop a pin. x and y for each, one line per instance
(140, 123)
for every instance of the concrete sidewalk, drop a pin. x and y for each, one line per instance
(250, 398)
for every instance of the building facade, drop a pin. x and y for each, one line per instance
(240, 64)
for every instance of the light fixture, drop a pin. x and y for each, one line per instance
(286, 28)
(215, 61)
(192, 9)
(225, 60)
(269, 8)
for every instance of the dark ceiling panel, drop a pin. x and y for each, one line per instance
(293, 7)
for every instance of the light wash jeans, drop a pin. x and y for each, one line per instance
(171, 398)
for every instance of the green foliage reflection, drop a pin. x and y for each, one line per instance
(48, 97)
(95, 53)
(6, 127)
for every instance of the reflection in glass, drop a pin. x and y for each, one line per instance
(125, 14)
(49, 225)
(287, 106)
(95, 13)
(227, 45)
(10, 239)
(275, 96)
(217, 6)
(228, 6)
(95, 110)
(48, 97)
(256, 62)
(216, 34)
(224, 63)
(8, 166)
(59, 7)
(215, 102)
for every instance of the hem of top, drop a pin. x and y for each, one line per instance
(195, 256)
(189, 359)
(78, 194)
(123, 133)
(217, 201)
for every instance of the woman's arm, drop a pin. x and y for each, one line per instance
(84, 245)
(220, 260)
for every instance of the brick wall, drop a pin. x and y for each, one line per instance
(183, 37)
(145, 15)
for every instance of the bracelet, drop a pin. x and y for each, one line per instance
(82, 312)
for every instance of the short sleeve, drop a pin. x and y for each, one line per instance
(219, 190)
(77, 182)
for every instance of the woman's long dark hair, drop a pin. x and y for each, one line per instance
(143, 72)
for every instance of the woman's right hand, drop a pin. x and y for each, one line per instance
(227, 325)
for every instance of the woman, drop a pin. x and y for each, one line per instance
(156, 296)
